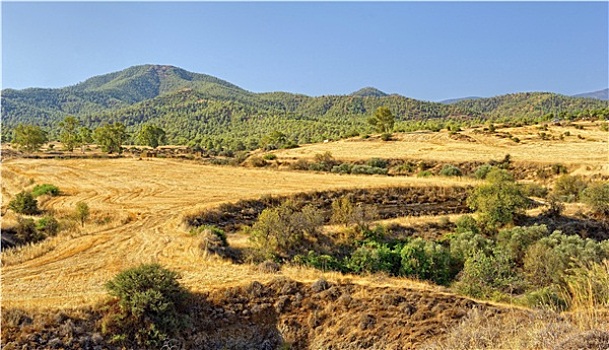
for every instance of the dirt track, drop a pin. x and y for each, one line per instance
(147, 200)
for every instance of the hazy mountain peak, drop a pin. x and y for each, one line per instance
(599, 95)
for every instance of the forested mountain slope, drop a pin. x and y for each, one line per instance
(201, 109)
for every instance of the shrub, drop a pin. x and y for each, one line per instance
(426, 260)
(319, 261)
(450, 170)
(270, 156)
(596, 196)
(256, 162)
(559, 169)
(386, 136)
(534, 190)
(26, 231)
(48, 189)
(374, 257)
(424, 173)
(377, 163)
(82, 212)
(48, 225)
(152, 304)
(464, 245)
(516, 241)
(344, 168)
(368, 170)
(497, 201)
(482, 171)
(24, 203)
(281, 231)
(466, 223)
(486, 276)
(568, 188)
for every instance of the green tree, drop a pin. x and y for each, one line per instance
(69, 134)
(86, 137)
(497, 201)
(382, 120)
(24, 203)
(151, 135)
(82, 212)
(110, 137)
(29, 137)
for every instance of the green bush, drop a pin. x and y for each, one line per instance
(211, 230)
(516, 241)
(450, 170)
(426, 260)
(533, 190)
(374, 257)
(24, 203)
(424, 173)
(596, 196)
(48, 189)
(26, 231)
(487, 276)
(368, 170)
(464, 245)
(377, 163)
(270, 156)
(152, 304)
(466, 223)
(482, 171)
(280, 232)
(319, 261)
(568, 188)
(48, 225)
(497, 201)
(344, 168)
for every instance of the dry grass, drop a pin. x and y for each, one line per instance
(592, 151)
(143, 202)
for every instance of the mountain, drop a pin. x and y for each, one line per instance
(369, 92)
(602, 95)
(199, 109)
(455, 100)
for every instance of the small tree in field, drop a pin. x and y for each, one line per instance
(82, 212)
(151, 135)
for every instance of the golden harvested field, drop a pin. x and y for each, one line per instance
(592, 151)
(145, 202)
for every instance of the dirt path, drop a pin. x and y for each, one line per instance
(149, 199)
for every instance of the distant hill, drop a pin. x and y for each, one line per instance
(455, 100)
(369, 92)
(199, 109)
(602, 95)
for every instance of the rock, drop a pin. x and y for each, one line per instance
(55, 343)
(320, 285)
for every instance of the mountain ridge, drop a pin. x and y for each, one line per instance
(200, 108)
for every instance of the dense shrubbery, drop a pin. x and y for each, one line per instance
(152, 305)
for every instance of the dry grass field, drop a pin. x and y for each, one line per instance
(137, 209)
(591, 151)
(137, 216)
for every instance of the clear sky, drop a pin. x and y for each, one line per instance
(430, 51)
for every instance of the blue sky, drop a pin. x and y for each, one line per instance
(430, 51)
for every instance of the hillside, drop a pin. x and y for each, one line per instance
(599, 95)
(203, 110)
